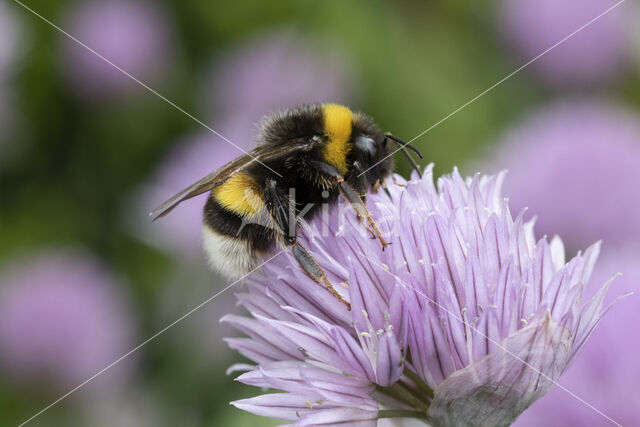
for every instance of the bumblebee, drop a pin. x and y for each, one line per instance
(321, 151)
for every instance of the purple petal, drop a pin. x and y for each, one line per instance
(389, 360)
(341, 416)
(283, 406)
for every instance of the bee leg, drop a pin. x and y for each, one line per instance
(358, 179)
(282, 211)
(279, 208)
(393, 178)
(361, 185)
(352, 196)
(311, 267)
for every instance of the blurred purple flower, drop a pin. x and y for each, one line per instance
(193, 157)
(134, 35)
(607, 373)
(595, 54)
(62, 319)
(440, 323)
(577, 165)
(278, 70)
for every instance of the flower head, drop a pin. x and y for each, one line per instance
(584, 157)
(465, 319)
(133, 35)
(62, 318)
(595, 54)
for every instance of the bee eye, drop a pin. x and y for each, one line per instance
(316, 138)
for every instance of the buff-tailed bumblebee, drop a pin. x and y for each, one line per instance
(321, 151)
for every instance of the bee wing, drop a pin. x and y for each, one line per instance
(259, 154)
(207, 183)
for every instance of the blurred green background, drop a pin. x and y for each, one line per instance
(85, 152)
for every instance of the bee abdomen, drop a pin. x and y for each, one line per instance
(234, 247)
(230, 256)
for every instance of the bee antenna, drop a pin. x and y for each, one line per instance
(403, 146)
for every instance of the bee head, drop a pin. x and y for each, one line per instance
(371, 148)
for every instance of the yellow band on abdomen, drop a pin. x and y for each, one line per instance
(241, 194)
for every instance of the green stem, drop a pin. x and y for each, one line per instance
(419, 383)
(400, 393)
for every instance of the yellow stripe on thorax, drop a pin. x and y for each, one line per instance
(240, 194)
(337, 126)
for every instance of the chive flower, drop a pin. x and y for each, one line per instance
(584, 154)
(63, 316)
(137, 36)
(465, 319)
(594, 56)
